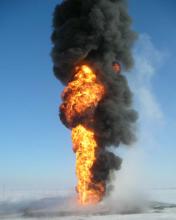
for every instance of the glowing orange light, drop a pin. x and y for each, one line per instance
(82, 95)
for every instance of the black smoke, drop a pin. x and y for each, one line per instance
(98, 32)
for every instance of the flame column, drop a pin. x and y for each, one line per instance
(80, 99)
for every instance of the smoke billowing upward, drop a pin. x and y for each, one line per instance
(95, 33)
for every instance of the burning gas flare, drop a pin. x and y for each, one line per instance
(81, 97)
(91, 41)
(86, 147)
(82, 94)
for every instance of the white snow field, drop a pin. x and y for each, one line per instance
(31, 205)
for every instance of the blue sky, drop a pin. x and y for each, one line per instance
(35, 147)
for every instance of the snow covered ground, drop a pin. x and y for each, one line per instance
(163, 195)
(163, 216)
(33, 205)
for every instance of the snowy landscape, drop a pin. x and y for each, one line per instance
(18, 205)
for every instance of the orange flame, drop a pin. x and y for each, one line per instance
(81, 96)
(86, 147)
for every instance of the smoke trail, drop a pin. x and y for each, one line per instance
(97, 32)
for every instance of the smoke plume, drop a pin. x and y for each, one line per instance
(97, 32)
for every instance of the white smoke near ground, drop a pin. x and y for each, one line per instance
(133, 180)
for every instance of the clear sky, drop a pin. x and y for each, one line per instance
(35, 148)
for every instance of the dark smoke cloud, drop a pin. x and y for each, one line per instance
(98, 32)
(90, 30)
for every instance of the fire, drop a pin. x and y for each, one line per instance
(86, 147)
(81, 97)
(82, 94)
